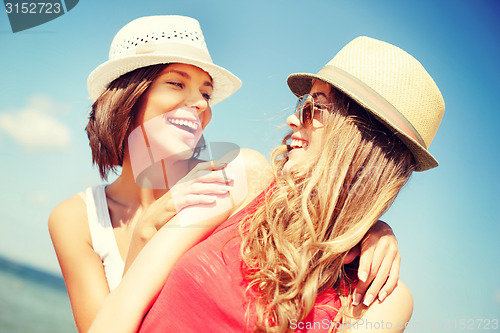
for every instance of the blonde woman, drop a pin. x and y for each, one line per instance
(362, 126)
(157, 88)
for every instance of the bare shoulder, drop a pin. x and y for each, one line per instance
(69, 217)
(394, 312)
(254, 157)
(258, 169)
(258, 172)
(253, 167)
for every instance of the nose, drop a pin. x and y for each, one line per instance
(198, 101)
(293, 122)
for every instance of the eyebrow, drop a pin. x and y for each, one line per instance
(187, 76)
(318, 94)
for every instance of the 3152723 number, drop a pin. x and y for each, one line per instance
(33, 8)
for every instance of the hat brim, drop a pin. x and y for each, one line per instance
(301, 83)
(225, 83)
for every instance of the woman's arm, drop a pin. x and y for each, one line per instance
(199, 187)
(81, 267)
(125, 307)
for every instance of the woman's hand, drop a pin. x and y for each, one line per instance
(379, 262)
(200, 186)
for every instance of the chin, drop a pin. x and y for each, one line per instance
(298, 160)
(184, 154)
(178, 151)
(289, 165)
(296, 155)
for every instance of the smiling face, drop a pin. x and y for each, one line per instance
(306, 142)
(175, 109)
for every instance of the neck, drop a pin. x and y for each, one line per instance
(154, 182)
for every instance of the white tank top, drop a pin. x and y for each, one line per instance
(103, 238)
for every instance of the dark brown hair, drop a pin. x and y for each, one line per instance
(112, 115)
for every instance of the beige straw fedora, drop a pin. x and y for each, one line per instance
(389, 83)
(156, 40)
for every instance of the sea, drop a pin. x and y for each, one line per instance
(32, 300)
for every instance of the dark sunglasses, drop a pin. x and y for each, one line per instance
(306, 106)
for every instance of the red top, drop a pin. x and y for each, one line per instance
(205, 291)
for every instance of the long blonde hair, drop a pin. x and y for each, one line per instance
(294, 245)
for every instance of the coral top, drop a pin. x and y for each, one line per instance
(205, 291)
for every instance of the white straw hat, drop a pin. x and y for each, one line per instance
(390, 84)
(156, 40)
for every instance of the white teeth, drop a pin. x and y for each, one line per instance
(298, 144)
(182, 122)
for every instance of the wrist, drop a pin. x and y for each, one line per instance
(143, 233)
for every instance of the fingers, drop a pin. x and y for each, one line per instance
(368, 266)
(377, 283)
(392, 281)
(208, 188)
(365, 264)
(194, 199)
(204, 187)
(217, 176)
(161, 211)
(201, 186)
(388, 254)
(198, 193)
(207, 172)
(213, 183)
(378, 268)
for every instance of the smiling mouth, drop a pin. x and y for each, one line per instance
(184, 124)
(295, 144)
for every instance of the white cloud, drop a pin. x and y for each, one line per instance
(35, 126)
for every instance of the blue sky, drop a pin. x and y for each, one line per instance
(446, 219)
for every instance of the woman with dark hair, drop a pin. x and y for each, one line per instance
(362, 126)
(152, 100)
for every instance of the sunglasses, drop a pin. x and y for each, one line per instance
(306, 106)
